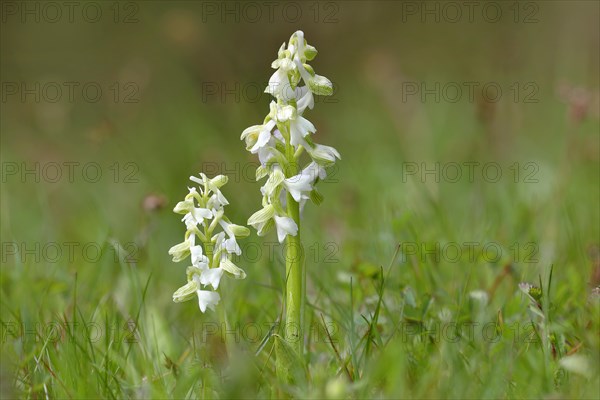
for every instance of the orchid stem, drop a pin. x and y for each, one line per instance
(295, 289)
(225, 335)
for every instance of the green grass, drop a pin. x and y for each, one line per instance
(380, 314)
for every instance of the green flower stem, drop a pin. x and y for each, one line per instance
(229, 345)
(295, 287)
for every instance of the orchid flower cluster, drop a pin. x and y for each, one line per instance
(203, 212)
(285, 134)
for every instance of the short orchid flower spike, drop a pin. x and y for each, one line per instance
(285, 134)
(210, 251)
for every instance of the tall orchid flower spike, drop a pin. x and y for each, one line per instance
(280, 142)
(203, 212)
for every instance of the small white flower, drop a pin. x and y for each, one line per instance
(281, 113)
(324, 155)
(279, 83)
(198, 259)
(306, 76)
(299, 185)
(265, 153)
(275, 179)
(320, 85)
(230, 244)
(299, 128)
(216, 201)
(207, 299)
(200, 181)
(211, 276)
(299, 36)
(186, 206)
(285, 226)
(315, 171)
(317, 84)
(258, 136)
(250, 135)
(196, 216)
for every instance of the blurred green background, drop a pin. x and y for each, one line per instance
(162, 90)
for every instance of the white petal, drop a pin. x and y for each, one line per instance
(300, 42)
(198, 259)
(216, 200)
(190, 221)
(278, 135)
(281, 113)
(285, 226)
(303, 72)
(265, 154)
(281, 50)
(207, 298)
(218, 239)
(299, 128)
(285, 113)
(315, 171)
(299, 184)
(249, 130)
(201, 213)
(211, 276)
(197, 180)
(263, 139)
(277, 81)
(231, 246)
(304, 98)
